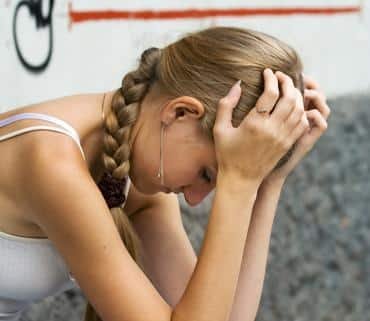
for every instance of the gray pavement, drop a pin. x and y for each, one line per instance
(319, 259)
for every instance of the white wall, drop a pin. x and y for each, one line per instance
(93, 56)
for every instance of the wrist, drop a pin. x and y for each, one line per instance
(235, 185)
(270, 186)
(273, 181)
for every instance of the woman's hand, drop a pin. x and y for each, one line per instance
(251, 150)
(317, 112)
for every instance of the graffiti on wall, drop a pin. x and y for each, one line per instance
(88, 15)
(35, 10)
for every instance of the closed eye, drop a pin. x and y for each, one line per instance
(206, 176)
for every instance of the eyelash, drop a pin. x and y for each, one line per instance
(206, 177)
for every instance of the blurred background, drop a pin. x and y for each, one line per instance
(319, 261)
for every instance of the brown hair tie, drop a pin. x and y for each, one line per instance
(112, 190)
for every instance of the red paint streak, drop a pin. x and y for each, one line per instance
(82, 16)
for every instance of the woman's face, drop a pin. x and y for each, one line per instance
(189, 159)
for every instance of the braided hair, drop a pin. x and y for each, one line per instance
(118, 123)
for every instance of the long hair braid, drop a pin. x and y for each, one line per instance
(125, 107)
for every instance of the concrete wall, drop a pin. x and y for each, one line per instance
(93, 55)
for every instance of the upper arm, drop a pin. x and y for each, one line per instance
(68, 206)
(169, 258)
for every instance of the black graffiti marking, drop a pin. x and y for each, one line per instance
(35, 10)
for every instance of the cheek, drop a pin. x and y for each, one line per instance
(179, 178)
(179, 171)
(143, 171)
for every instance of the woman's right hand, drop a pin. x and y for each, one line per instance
(251, 150)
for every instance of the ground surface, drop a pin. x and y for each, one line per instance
(319, 261)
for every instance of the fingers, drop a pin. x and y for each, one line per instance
(288, 97)
(270, 95)
(307, 136)
(318, 124)
(310, 83)
(302, 127)
(226, 106)
(297, 112)
(317, 100)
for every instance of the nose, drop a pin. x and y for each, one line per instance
(194, 195)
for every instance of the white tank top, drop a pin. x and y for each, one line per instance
(32, 268)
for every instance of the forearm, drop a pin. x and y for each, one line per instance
(211, 290)
(253, 267)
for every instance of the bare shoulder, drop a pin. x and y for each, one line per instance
(46, 159)
(54, 146)
(69, 207)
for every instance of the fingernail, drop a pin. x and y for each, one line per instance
(234, 88)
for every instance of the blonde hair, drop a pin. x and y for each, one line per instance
(204, 65)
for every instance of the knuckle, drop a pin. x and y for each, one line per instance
(324, 125)
(311, 81)
(280, 141)
(315, 112)
(223, 102)
(314, 85)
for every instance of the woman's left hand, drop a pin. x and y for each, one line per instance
(317, 112)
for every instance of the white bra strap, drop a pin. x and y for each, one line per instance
(41, 127)
(45, 117)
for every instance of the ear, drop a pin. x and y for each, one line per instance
(180, 109)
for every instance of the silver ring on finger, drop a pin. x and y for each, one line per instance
(262, 111)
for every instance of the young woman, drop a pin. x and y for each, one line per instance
(174, 126)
